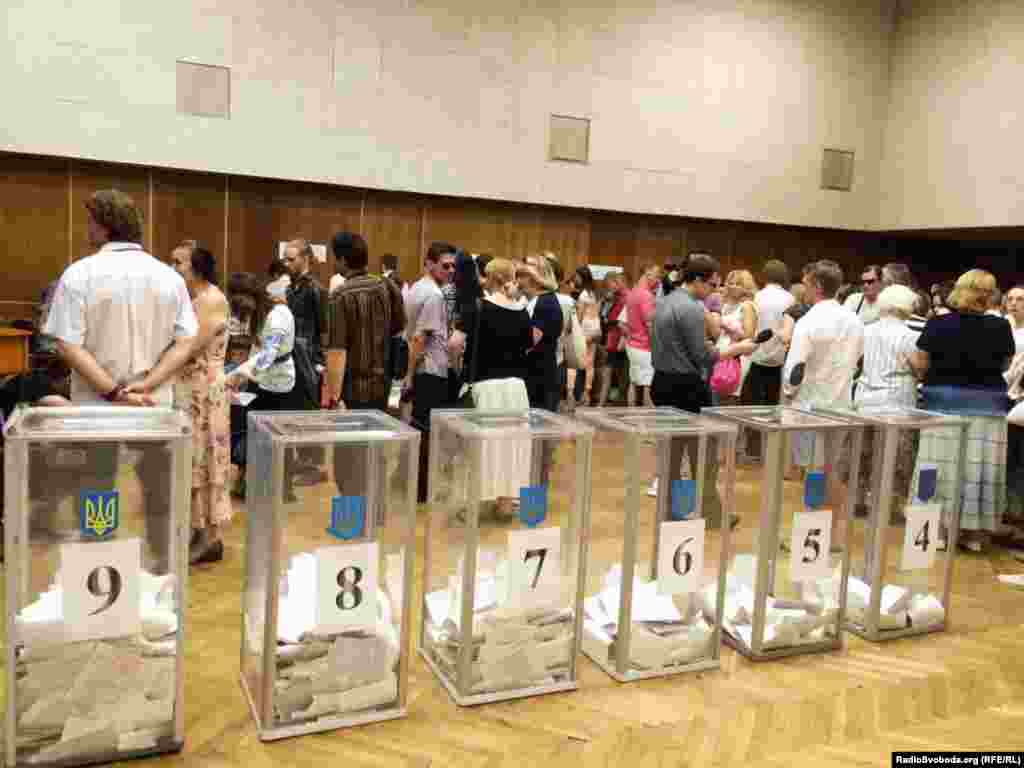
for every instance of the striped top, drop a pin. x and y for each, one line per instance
(887, 378)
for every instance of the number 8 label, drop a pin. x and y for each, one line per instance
(346, 587)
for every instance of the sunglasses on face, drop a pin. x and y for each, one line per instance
(447, 266)
(869, 280)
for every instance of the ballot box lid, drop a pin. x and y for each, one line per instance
(362, 426)
(781, 418)
(103, 423)
(533, 423)
(898, 416)
(653, 421)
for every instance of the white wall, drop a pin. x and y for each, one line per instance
(952, 153)
(700, 107)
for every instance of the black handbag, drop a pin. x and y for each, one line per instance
(398, 357)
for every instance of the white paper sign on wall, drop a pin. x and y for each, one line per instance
(346, 587)
(99, 583)
(534, 568)
(809, 545)
(681, 556)
(920, 536)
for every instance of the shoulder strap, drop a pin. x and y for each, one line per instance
(860, 305)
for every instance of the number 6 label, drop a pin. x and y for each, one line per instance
(681, 556)
(346, 587)
(100, 589)
(920, 536)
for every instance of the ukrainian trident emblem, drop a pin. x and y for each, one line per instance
(533, 505)
(99, 513)
(348, 517)
(684, 498)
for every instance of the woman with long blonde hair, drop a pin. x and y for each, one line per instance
(739, 320)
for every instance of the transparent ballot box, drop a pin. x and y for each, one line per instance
(326, 604)
(96, 509)
(503, 570)
(663, 549)
(786, 587)
(912, 471)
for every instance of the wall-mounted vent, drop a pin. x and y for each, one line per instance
(837, 169)
(569, 139)
(204, 90)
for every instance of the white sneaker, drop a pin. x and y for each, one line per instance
(653, 490)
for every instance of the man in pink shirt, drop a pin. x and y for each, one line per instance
(639, 314)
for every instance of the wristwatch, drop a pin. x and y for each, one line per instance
(113, 394)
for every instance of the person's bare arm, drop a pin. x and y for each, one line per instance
(712, 325)
(337, 359)
(920, 361)
(85, 365)
(748, 312)
(212, 314)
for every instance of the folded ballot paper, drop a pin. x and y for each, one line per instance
(811, 619)
(899, 607)
(99, 697)
(328, 675)
(512, 647)
(666, 631)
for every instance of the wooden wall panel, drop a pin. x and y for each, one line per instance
(34, 222)
(613, 242)
(566, 233)
(468, 224)
(393, 223)
(518, 232)
(189, 206)
(88, 177)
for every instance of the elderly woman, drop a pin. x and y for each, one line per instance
(961, 356)
(887, 379)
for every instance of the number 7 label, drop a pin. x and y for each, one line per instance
(534, 567)
(100, 589)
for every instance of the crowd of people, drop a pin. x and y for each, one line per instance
(495, 333)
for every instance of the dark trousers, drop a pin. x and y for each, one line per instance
(428, 392)
(274, 401)
(689, 392)
(359, 469)
(763, 386)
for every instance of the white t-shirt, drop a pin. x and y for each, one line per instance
(772, 301)
(125, 308)
(829, 340)
(867, 311)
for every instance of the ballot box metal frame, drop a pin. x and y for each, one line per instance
(316, 426)
(890, 422)
(636, 425)
(122, 426)
(466, 424)
(769, 421)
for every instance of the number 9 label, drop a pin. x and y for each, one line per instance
(346, 587)
(100, 589)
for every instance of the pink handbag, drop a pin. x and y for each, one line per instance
(726, 375)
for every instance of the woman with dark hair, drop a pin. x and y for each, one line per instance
(202, 392)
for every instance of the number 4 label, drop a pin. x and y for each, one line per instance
(346, 587)
(681, 557)
(100, 589)
(920, 536)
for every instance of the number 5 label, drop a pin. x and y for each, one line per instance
(681, 557)
(920, 536)
(809, 546)
(346, 587)
(100, 589)
(534, 567)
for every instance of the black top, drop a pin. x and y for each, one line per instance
(24, 388)
(505, 337)
(967, 350)
(305, 300)
(542, 364)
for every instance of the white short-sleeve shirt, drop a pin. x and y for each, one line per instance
(125, 308)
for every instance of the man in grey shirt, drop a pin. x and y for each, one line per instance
(680, 351)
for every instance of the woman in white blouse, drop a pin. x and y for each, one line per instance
(270, 366)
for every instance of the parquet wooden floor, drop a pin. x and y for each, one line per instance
(963, 689)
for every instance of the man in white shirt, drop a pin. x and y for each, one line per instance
(864, 304)
(116, 315)
(763, 384)
(828, 342)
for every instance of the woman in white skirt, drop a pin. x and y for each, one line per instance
(962, 356)
(506, 334)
